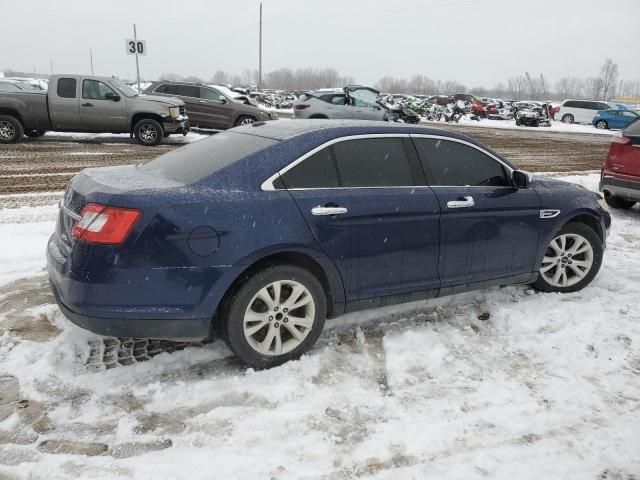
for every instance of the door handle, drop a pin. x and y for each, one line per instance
(87, 104)
(465, 202)
(328, 210)
(203, 101)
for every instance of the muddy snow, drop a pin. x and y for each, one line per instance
(503, 383)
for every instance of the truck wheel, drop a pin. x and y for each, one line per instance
(35, 133)
(11, 130)
(148, 132)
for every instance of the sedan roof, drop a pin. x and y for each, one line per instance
(325, 130)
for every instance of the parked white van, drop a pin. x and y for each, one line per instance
(582, 111)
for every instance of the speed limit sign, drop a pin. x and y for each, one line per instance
(136, 47)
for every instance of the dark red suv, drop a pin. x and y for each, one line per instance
(620, 177)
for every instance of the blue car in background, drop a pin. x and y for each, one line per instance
(261, 232)
(614, 119)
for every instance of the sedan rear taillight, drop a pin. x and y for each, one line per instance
(301, 106)
(105, 225)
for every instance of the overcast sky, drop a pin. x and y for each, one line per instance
(477, 42)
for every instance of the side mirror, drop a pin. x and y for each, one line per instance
(112, 96)
(520, 179)
(223, 100)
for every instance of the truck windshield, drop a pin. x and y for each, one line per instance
(125, 89)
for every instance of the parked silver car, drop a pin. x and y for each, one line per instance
(352, 102)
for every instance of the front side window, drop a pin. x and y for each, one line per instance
(316, 171)
(95, 90)
(363, 98)
(66, 87)
(210, 94)
(453, 164)
(373, 162)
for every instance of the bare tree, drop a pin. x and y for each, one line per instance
(517, 86)
(608, 79)
(593, 87)
(220, 78)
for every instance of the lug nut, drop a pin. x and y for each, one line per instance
(276, 324)
(286, 319)
(275, 309)
(270, 318)
(285, 310)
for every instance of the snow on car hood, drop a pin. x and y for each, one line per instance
(174, 102)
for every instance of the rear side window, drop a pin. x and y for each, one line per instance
(66, 87)
(454, 164)
(571, 104)
(187, 91)
(205, 157)
(373, 162)
(316, 171)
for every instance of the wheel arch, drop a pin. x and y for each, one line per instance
(142, 115)
(585, 216)
(12, 113)
(318, 115)
(321, 266)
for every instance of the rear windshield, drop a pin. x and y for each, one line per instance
(205, 157)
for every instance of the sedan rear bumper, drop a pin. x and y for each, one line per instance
(171, 329)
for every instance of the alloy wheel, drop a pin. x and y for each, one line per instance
(247, 121)
(602, 125)
(279, 317)
(7, 130)
(568, 260)
(148, 133)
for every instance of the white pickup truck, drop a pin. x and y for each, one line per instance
(78, 103)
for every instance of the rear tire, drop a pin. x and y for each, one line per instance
(245, 120)
(11, 130)
(266, 333)
(617, 202)
(148, 132)
(535, 123)
(602, 125)
(567, 118)
(572, 260)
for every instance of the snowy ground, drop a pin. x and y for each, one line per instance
(555, 126)
(501, 384)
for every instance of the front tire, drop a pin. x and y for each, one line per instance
(617, 202)
(148, 132)
(276, 315)
(244, 120)
(572, 259)
(11, 130)
(568, 118)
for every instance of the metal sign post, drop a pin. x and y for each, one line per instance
(135, 38)
(136, 47)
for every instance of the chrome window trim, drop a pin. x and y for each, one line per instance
(267, 185)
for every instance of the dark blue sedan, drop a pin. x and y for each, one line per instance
(261, 232)
(616, 119)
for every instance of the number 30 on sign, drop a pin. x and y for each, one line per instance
(136, 47)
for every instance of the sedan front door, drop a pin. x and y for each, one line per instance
(488, 228)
